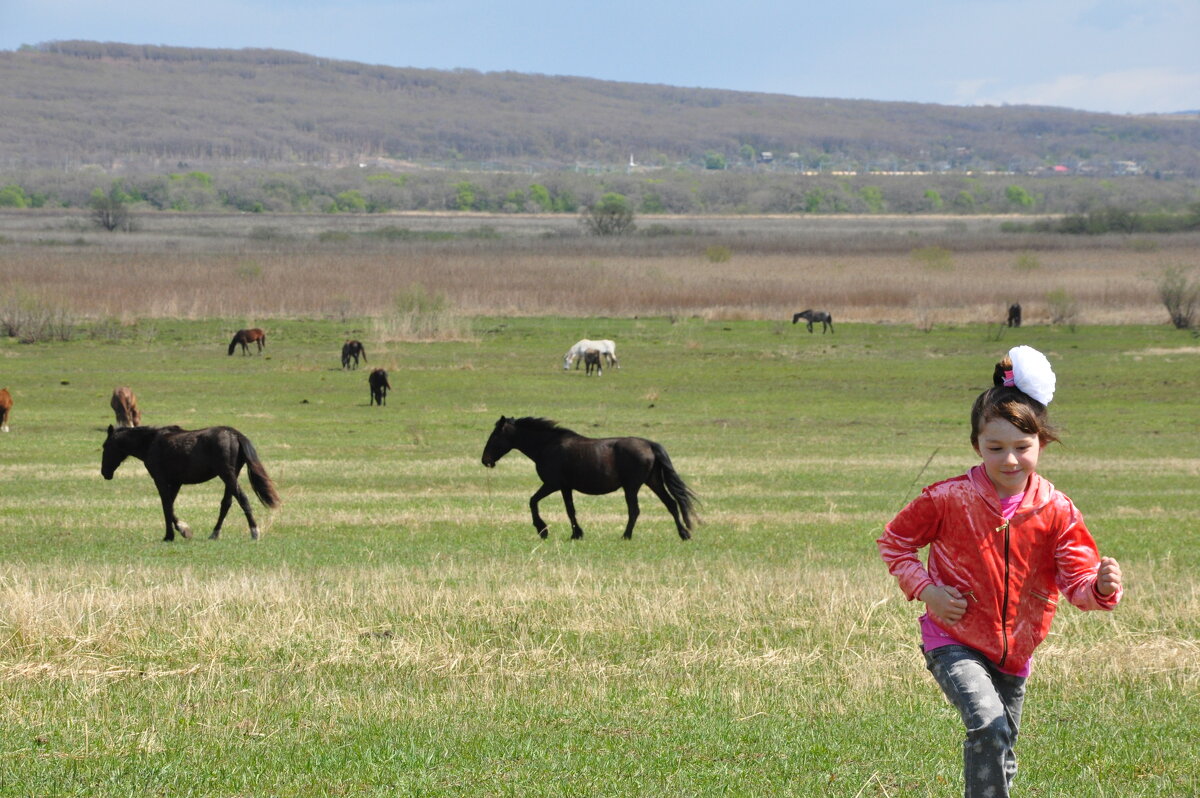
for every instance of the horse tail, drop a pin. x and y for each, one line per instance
(264, 488)
(233, 344)
(687, 500)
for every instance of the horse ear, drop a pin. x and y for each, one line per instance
(110, 430)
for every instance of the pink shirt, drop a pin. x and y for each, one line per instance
(934, 636)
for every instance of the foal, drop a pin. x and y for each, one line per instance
(124, 405)
(591, 362)
(378, 380)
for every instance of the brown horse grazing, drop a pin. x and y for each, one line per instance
(353, 349)
(124, 405)
(176, 457)
(566, 462)
(5, 408)
(246, 337)
(378, 380)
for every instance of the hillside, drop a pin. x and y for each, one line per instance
(137, 108)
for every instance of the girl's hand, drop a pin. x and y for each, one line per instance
(1108, 579)
(944, 602)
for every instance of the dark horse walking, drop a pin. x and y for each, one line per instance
(353, 349)
(567, 462)
(815, 316)
(176, 457)
(378, 381)
(246, 337)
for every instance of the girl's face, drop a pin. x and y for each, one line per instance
(1009, 456)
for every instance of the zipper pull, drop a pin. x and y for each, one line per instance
(1003, 526)
(970, 594)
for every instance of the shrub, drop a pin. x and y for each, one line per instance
(31, 320)
(422, 316)
(611, 216)
(1180, 295)
(1063, 308)
(935, 258)
(718, 254)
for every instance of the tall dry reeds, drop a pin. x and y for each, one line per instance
(882, 276)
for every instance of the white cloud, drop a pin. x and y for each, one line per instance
(1128, 91)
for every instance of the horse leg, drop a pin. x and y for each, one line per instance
(538, 523)
(226, 501)
(672, 507)
(631, 501)
(569, 501)
(167, 493)
(244, 503)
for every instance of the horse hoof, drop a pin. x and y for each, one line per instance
(543, 533)
(185, 530)
(577, 534)
(215, 535)
(254, 533)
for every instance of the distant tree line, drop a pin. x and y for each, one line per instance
(359, 190)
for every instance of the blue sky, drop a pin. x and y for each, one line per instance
(1116, 56)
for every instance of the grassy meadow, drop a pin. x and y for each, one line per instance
(400, 629)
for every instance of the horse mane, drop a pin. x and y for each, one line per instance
(542, 426)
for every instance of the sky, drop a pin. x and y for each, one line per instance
(1112, 56)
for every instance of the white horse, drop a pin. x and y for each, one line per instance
(607, 349)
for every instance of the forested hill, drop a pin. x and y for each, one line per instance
(133, 107)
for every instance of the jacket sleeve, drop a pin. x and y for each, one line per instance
(912, 529)
(1078, 563)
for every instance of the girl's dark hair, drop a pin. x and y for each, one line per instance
(1013, 405)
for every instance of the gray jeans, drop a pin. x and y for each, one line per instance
(990, 704)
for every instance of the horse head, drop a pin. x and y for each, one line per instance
(114, 454)
(500, 443)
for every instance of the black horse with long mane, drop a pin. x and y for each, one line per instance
(244, 338)
(176, 457)
(567, 461)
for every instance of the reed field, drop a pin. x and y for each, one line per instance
(400, 629)
(904, 270)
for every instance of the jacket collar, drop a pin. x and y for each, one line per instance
(1037, 492)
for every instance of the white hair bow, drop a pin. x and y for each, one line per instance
(1031, 373)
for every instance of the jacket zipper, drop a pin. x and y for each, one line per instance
(1004, 605)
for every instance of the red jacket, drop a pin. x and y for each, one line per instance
(1011, 573)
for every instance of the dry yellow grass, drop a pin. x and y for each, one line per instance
(776, 268)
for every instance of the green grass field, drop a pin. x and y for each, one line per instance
(401, 630)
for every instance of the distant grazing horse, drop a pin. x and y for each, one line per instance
(1014, 315)
(378, 380)
(176, 457)
(567, 462)
(353, 349)
(591, 362)
(5, 408)
(815, 316)
(246, 337)
(124, 404)
(608, 350)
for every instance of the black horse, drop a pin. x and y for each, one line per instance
(815, 316)
(176, 457)
(244, 338)
(567, 461)
(353, 349)
(1014, 315)
(378, 380)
